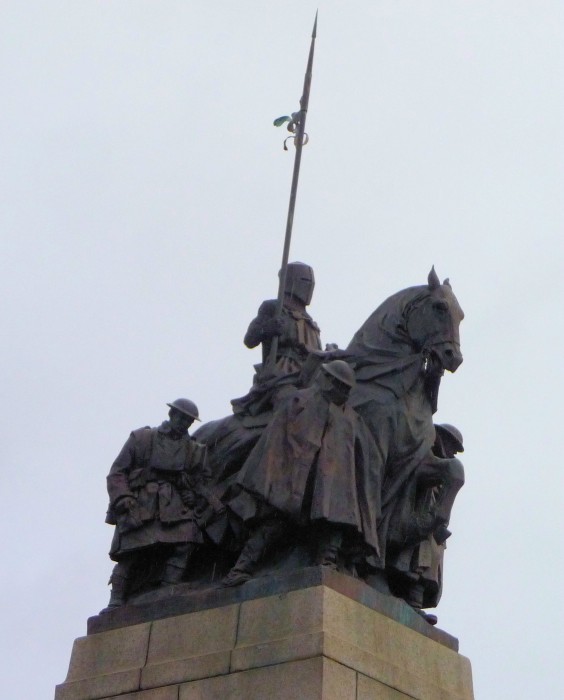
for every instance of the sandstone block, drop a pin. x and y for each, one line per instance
(369, 689)
(99, 687)
(292, 648)
(109, 652)
(399, 656)
(299, 680)
(338, 682)
(194, 634)
(168, 693)
(281, 616)
(185, 670)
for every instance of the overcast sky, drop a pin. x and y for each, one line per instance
(144, 197)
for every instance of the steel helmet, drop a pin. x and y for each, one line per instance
(445, 429)
(187, 407)
(341, 371)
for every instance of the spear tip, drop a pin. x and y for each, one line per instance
(314, 32)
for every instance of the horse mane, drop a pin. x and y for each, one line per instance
(384, 332)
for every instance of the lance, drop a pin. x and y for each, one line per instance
(296, 126)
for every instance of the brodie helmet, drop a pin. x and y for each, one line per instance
(449, 431)
(187, 407)
(341, 371)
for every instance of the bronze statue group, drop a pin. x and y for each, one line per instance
(331, 459)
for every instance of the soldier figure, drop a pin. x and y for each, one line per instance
(416, 572)
(157, 488)
(311, 467)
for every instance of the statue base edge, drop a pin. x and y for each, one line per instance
(312, 643)
(183, 598)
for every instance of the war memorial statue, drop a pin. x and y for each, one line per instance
(332, 459)
(291, 549)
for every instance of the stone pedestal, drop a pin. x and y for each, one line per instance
(312, 635)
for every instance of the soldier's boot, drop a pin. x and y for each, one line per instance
(172, 574)
(176, 565)
(415, 595)
(329, 548)
(119, 581)
(415, 599)
(264, 537)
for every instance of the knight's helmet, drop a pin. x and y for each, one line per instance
(300, 281)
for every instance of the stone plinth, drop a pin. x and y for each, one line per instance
(330, 638)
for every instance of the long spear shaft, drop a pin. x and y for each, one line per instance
(298, 127)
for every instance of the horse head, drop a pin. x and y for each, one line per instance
(420, 320)
(432, 319)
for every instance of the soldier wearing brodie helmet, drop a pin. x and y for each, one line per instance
(157, 488)
(310, 468)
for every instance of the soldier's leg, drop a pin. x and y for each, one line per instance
(415, 599)
(177, 563)
(266, 535)
(329, 545)
(119, 581)
(447, 475)
(452, 483)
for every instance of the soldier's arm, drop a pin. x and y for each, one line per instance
(190, 479)
(198, 471)
(264, 326)
(205, 466)
(204, 476)
(117, 480)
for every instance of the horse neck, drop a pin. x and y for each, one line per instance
(385, 332)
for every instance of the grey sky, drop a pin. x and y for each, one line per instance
(144, 200)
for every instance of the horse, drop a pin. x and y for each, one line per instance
(398, 356)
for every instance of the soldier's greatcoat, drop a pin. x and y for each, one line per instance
(312, 463)
(160, 471)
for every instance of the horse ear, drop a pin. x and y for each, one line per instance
(447, 282)
(433, 279)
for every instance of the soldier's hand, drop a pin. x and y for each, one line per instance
(273, 327)
(124, 505)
